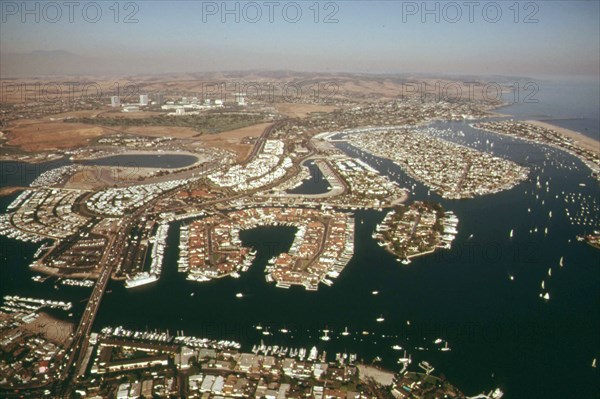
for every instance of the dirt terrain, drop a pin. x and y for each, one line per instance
(232, 139)
(42, 135)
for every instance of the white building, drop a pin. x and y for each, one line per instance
(115, 101)
(143, 99)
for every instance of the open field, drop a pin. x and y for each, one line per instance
(232, 139)
(34, 136)
(157, 131)
(295, 110)
(51, 328)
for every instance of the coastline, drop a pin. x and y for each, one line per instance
(580, 139)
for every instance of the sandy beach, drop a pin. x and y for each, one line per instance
(583, 141)
(381, 376)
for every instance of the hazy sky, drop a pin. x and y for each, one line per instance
(483, 37)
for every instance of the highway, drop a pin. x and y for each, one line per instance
(80, 340)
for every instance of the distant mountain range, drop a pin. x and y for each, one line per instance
(42, 63)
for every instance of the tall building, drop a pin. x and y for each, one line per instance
(159, 99)
(143, 99)
(115, 101)
(239, 98)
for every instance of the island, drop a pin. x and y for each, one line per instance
(416, 229)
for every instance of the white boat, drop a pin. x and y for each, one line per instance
(140, 279)
(380, 319)
(546, 296)
(561, 262)
(239, 295)
(511, 233)
(345, 332)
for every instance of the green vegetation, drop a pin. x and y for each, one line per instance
(204, 123)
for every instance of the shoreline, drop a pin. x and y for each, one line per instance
(576, 138)
(580, 139)
(140, 152)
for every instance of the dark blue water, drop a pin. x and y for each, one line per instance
(500, 331)
(316, 184)
(14, 173)
(571, 103)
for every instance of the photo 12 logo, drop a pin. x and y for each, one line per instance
(270, 12)
(69, 11)
(470, 11)
(68, 91)
(489, 92)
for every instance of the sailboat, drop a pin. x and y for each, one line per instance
(546, 296)
(345, 332)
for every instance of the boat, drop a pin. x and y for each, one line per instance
(375, 292)
(326, 336)
(140, 279)
(511, 233)
(594, 363)
(239, 295)
(446, 348)
(561, 262)
(546, 296)
(380, 319)
(345, 332)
